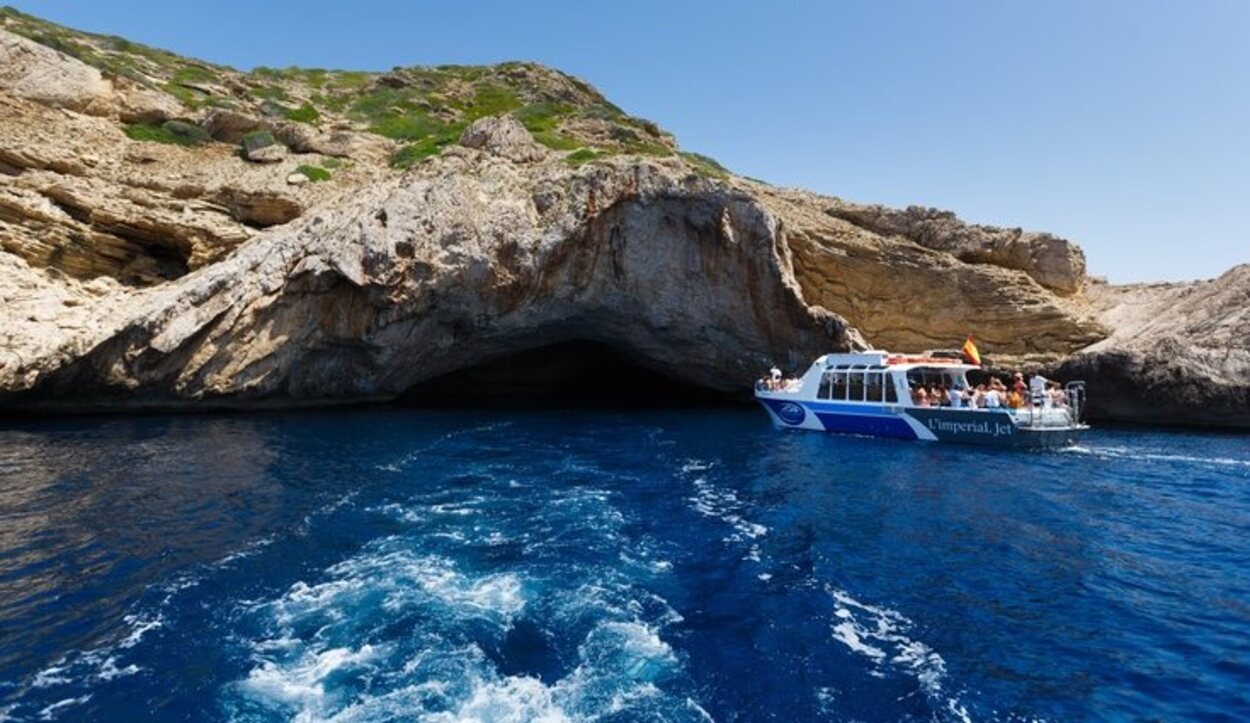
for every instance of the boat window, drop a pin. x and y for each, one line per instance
(873, 380)
(826, 385)
(839, 385)
(891, 394)
(929, 378)
(855, 387)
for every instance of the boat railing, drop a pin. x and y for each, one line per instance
(1076, 399)
(1041, 411)
(782, 386)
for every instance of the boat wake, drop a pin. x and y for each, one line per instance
(723, 504)
(478, 608)
(875, 633)
(395, 632)
(1146, 455)
(880, 635)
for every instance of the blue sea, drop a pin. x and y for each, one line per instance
(669, 565)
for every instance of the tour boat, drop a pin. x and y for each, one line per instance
(871, 393)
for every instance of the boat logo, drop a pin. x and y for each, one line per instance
(791, 413)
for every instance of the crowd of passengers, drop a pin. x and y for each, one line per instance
(993, 394)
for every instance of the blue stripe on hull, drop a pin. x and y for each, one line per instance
(873, 425)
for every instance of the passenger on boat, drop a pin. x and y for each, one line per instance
(920, 397)
(774, 380)
(956, 397)
(940, 397)
(1058, 398)
(992, 399)
(1037, 389)
(1015, 399)
(978, 397)
(1018, 385)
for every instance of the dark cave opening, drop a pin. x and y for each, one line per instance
(570, 374)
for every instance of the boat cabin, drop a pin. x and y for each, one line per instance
(876, 377)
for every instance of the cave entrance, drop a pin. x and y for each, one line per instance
(581, 374)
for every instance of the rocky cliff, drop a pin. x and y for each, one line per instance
(178, 234)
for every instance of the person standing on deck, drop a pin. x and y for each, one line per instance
(1037, 388)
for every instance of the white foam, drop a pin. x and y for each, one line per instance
(724, 505)
(880, 634)
(314, 664)
(413, 456)
(513, 699)
(248, 551)
(95, 665)
(1153, 456)
(52, 675)
(301, 684)
(54, 710)
(109, 670)
(849, 634)
(138, 628)
(695, 465)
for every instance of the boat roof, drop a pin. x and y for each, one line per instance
(884, 359)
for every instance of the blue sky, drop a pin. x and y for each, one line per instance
(1123, 126)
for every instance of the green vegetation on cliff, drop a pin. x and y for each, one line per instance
(422, 109)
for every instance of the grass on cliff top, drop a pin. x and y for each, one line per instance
(704, 165)
(424, 108)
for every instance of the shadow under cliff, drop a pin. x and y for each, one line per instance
(569, 374)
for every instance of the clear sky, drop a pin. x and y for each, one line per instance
(1123, 126)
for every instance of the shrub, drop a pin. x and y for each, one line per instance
(556, 141)
(705, 166)
(644, 148)
(409, 127)
(190, 98)
(257, 140)
(348, 79)
(491, 100)
(315, 174)
(304, 114)
(426, 147)
(270, 92)
(542, 117)
(583, 156)
(193, 74)
(172, 132)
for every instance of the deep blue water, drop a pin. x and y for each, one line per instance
(671, 565)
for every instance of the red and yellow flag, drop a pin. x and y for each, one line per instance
(970, 351)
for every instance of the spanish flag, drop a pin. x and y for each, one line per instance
(970, 351)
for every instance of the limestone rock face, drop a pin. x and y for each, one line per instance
(78, 195)
(463, 260)
(36, 72)
(1051, 261)
(903, 295)
(230, 126)
(338, 144)
(504, 137)
(1179, 353)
